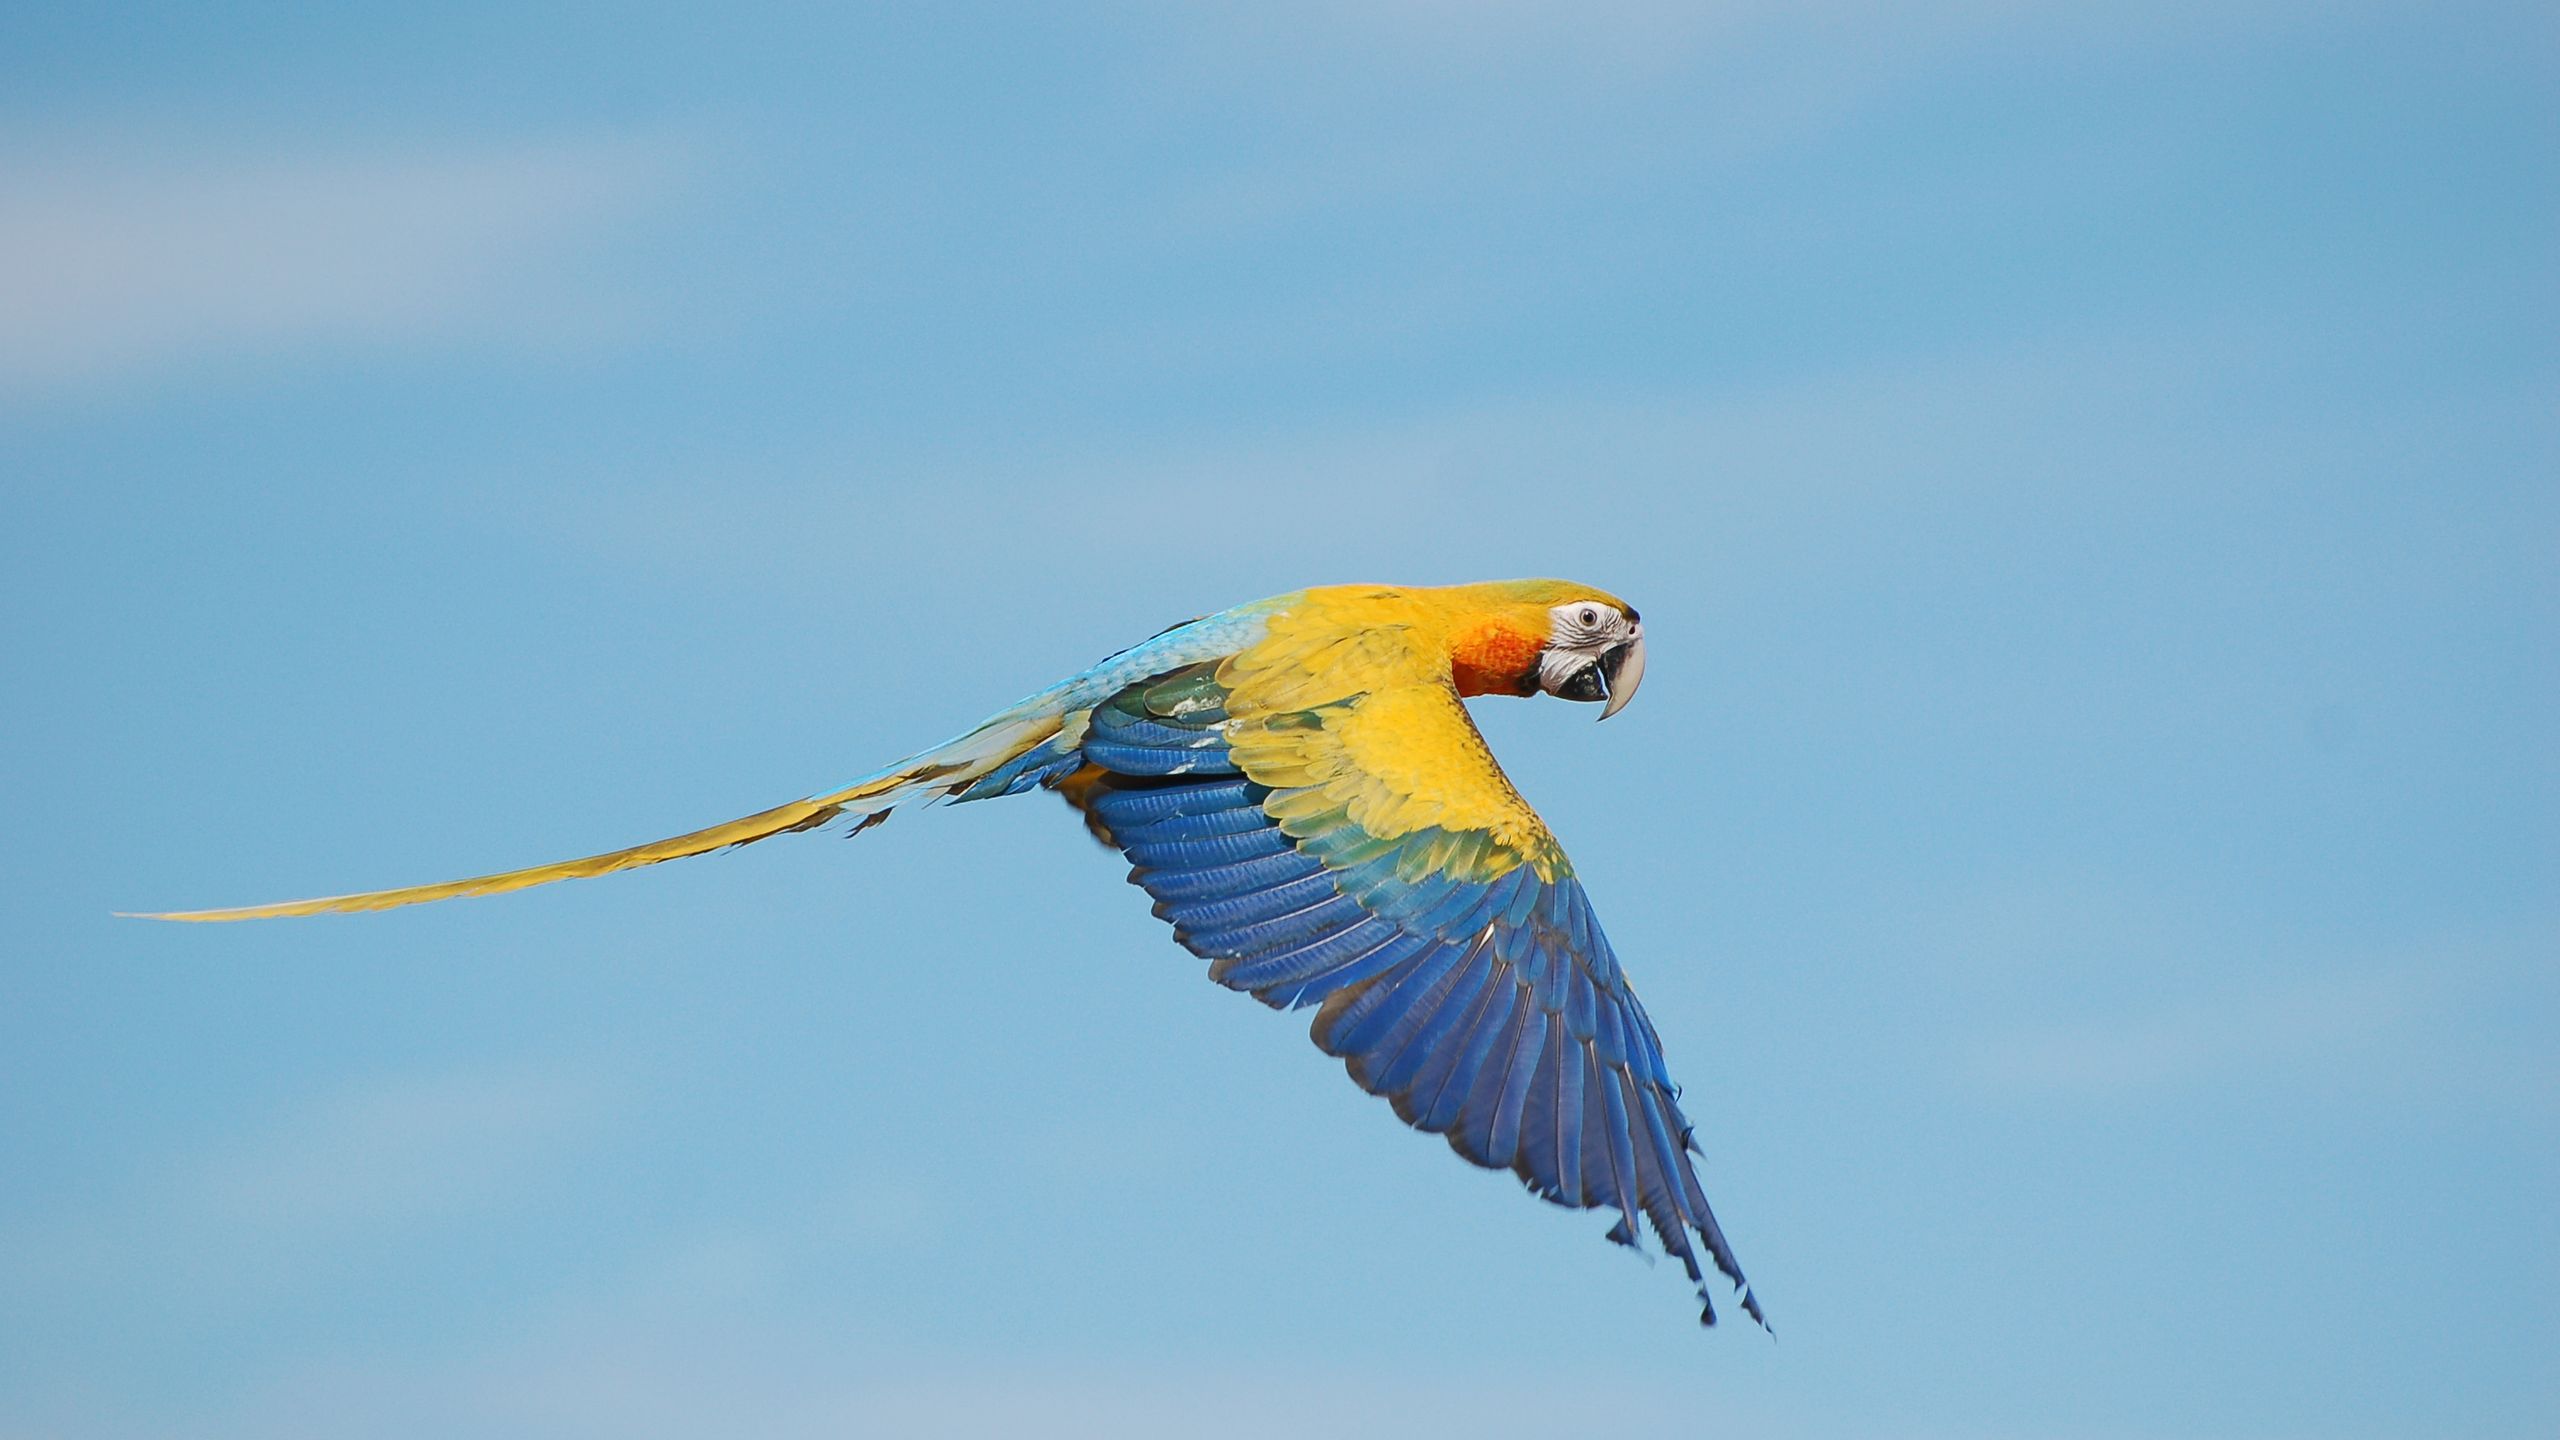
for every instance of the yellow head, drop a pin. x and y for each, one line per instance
(1520, 637)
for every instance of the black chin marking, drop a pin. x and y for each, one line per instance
(1611, 661)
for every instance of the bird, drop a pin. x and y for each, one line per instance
(1298, 784)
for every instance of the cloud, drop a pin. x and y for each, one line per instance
(1829, 461)
(391, 1152)
(1783, 71)
(2424, 1024)
(119, 261)
(2196, 1039)
(704, 1339)
(718, 1376)
(1641, 31)
(735, 1324)
(370, 1161)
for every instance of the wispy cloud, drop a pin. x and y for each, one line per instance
(360, 1164)
(2420, 1024)
(2196, 1039)
(391, 1152)
(1658, 32)
(115, 259)
(1780, 73)
(719, 1377)
(1838, 455)
(701, 1340)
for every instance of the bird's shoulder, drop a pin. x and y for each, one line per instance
(1345, 708)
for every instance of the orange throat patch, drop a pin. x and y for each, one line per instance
(1494, 658)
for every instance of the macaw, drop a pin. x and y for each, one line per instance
(1298, 785)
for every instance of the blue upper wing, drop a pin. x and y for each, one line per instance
(1491, 1012)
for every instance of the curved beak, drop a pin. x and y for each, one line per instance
(1621, 671)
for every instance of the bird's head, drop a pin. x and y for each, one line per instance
(1569, 641)
(1594, 651)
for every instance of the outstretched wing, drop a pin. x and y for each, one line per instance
(1364, 854)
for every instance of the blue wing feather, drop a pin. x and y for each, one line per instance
(1491, 1012)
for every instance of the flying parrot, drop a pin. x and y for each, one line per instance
(1298, 785)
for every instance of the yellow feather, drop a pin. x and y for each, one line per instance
(937, 772)
(1392, 747)
(1388, 745)
(798, 815)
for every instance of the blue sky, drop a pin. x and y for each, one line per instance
(2090, 838)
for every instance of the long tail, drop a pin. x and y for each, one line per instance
(942, 771)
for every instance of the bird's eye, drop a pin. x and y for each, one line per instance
(1590, 617)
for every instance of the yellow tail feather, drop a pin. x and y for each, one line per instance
(798, 815)
(937, 772)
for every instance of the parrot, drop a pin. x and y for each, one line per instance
(1298, 785)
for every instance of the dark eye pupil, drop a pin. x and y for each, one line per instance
(1590, 616)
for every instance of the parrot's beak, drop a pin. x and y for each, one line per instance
(1611, 675)
(1621, 670)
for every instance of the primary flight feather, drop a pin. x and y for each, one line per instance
(1297, 783)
